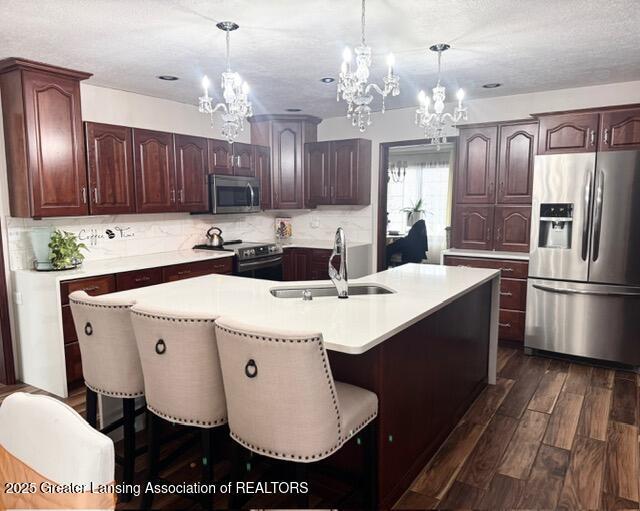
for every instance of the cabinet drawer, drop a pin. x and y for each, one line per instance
(513, 294)
(138, 278)
(196, 269)
(73, 363)
(68, 326)
(510, 268)
(92, 285)
(511, 325)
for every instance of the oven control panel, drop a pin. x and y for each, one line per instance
(258, 251)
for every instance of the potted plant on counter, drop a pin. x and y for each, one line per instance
(414, 213)
(65, 250)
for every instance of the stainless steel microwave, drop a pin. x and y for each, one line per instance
(234, 194)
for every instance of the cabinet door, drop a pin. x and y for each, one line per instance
(220, 161)
(511, 226)
(517, 143)
(111, 181)
(154, 164)
(262, 162)
(287, 165)
(296, 264)
(57, 167)
(473, 227)
(316, 168)
(568, 133)
(191, 173)
(619, 130)
(243, 164)
(344, 172)
(476, 176)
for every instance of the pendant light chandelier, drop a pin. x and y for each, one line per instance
(353, 85)
(236, 106)
(435, 123)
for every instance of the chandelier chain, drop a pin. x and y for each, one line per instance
(362, 21)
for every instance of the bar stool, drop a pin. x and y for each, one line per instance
(182, 377)
(110, 366)
(283, 403)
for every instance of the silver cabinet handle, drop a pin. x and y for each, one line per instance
(84, 194)
(506, 293)
(597, 216)
(146, 278)
(505, 325)
(605, 136)
(508, 270)
(95, 195)
(173, 195)
(586, 205)
(182, 195)
(569, 291)
(592, 137)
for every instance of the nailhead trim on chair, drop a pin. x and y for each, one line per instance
(189, 422)
(174, 320)
(99, 305)
(113, 394)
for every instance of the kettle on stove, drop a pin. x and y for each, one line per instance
(214, 239)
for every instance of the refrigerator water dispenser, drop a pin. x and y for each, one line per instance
(556, 225)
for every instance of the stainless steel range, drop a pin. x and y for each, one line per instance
(256, 260)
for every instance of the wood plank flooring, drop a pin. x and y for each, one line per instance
(554, 435)
(549, 435)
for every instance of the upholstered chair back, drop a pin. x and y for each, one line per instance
(181, 368)
(110, 361)
(281, 396)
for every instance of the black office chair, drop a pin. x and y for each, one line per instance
(412, 248)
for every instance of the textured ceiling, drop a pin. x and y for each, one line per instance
(284, 47)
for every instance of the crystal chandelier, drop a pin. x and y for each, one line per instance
(236, 107)
(354, 86)
(397, 171)
(435, 123)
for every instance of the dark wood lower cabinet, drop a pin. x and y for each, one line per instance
(307, 264)
(473, 227)
(138, 278)
(512, 225)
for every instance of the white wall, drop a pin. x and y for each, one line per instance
(398, 124)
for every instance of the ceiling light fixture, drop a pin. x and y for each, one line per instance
(236, 107)
(327, 79)
(354, 86)
(491, 85)
(168, 78)
(436, 123)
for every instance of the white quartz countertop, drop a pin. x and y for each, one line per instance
(487, 254)
(350, 326)
(130, 263)
(326, 244)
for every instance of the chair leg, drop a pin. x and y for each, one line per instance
(207, 464)
(371, 466)
(153, 453)
(92, 408)
(129, 427)
(237, 470)
(302, 499)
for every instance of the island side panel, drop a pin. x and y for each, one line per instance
(425, 378)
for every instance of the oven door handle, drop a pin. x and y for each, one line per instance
(261, 263)
(569, 291)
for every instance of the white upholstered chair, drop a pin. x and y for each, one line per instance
(110, 363)
(183, 382)
(45, 440)
(282, 400)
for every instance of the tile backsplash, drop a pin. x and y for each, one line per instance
(129, 235)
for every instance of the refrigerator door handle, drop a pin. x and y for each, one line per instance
(585, 216)
(569, 291)
(597, 216)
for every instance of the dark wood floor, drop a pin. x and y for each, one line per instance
(549, 435)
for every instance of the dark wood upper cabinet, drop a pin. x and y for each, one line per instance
(243, 160)
(619, 130)
(262, 163)
(154, 164)
(191, 173)
(517, 148)
(110, 165)
(473, 227)
(44, 145)
(316, 166)
(568, 133)
(220, 153)
(286, 136)
(476, 173)
(512, 225)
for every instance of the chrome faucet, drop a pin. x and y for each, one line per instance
(339, 278)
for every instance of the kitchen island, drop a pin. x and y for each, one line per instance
(427, 349)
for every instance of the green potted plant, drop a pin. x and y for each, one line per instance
(414, 213)
(65, 250)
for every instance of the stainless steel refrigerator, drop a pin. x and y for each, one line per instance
(583, 293)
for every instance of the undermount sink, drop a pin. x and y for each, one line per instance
(354, 290)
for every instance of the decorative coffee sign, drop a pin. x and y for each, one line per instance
(93, 235)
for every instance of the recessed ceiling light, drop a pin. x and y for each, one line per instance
(327, 79)
(168, 78)
(491, 85)
(293, 109)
